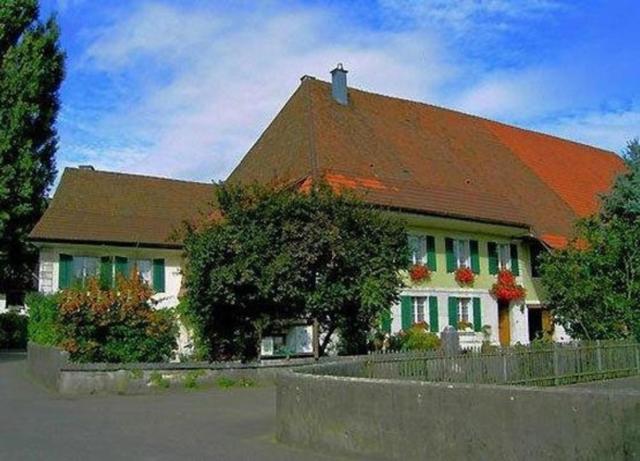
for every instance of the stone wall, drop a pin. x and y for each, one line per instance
(45, 364)
(388, 419)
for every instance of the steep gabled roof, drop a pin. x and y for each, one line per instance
(104, 207)
(432, 160)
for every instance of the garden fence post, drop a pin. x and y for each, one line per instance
(638, 357)
(505, 375)
(599, 355)
(556, 365)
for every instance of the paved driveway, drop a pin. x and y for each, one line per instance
(235, 424)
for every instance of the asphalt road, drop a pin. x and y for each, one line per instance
(212, 424)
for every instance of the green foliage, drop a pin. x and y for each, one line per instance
(43, 327)
(157, 380)
(225, 382)
(13, 331)
(117, 325)
(31, 71)
(276, 255)
(593, 285)
(416, 338)
(188, 320)
(190, 380)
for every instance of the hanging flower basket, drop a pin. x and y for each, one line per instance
(419, 273)
(464, 276)
(506, 288)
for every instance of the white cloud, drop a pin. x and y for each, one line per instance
(607, 129)
(226, 75)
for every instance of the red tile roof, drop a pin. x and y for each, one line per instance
(104, 207)
(432, 160)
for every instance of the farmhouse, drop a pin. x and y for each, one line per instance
(478, 196)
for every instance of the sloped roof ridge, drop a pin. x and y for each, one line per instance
(475, 116)
(135, 175)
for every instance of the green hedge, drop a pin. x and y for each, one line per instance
(43, 319)
(13, 331)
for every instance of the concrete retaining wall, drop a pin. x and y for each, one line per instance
(52, 367)
(387, 419)
(45, 363)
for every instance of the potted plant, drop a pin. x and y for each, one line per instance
(464, 276)
(506, 288)
(419, 273)
(465, 326)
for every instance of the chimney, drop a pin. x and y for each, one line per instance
(339, 85)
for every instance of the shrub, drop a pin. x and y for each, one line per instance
(13, 331)
(191, 378)
(117, 325)
(416, 338)
(43, 313)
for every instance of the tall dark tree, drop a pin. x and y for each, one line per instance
(593, 285)
(277, 255)
(31, 71)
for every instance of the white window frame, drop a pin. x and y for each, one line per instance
(418, 247)
(465, 307)
(503, 251)
(84, 269)
(462, 252)
(420, 306)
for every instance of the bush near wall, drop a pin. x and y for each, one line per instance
(43, 319)
(13, 331)
(94, 325)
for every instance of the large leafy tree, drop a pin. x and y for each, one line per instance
(31, 71)
(593, 285)
(279, 254)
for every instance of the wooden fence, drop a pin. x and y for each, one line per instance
(537, 365)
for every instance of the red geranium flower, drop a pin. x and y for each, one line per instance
(464, 276)
(419, 272)
(506, 288)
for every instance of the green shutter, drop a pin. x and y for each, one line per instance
(106, 272)
(158, 275)
(406, 314)
(477, 315)
(451, 259)
(515, 266)
(475, 256)
(492, 249)
(385, 321)
(122, 266)
(65, 271)
(453, 312)
(431, 253)
(433, 314)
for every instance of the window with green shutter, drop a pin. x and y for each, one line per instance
(477, 315)
(492, 250)
(515, 266)
(433, 314)
(122, 266)
(106, 272)
(475, 256)
(65, 271)
(431, 253)
(450, 256)
(406, 312)
(453, 311)
(158, 275)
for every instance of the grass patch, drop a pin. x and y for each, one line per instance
(224, 382)
(158, 381)
(190, 380)
(136, 373)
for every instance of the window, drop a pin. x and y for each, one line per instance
(84, 267)
(463, 310)
(144, 269)
(418, 248)
(504, 256)
(462, 253)
(419, 309)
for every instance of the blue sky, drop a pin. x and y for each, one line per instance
(183, 88)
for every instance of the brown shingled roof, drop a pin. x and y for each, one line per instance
(104, 207)
(432, 160)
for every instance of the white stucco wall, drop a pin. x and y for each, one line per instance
(50, 265)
